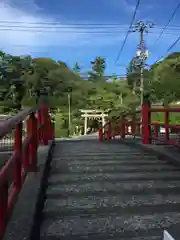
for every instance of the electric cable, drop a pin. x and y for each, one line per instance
(169, 49)
(127, 34)
(167, 24)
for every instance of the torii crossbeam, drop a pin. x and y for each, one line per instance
(93, 114)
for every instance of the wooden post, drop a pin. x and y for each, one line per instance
(100, 134)
(3, 206)
(43, 106)
(34, 143)
(166, 121)
(18, 162)
(146, 120)
(122, 128)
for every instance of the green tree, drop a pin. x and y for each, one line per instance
(133, 73)
(165, 79)
(98, 68)
(76, 68)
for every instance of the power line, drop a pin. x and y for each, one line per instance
(131, 23)
(58, 23)
(68, 25)
(75, 27)
(167, 24)
(126, 37)
(12, 25)
(64, 26)
(78, 31)
(62, 23)
(169, 49)
(62, 31)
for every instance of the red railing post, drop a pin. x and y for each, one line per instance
(166, 121)
(156, 131)
(133, 124)
(3, 206)
(52, 127)
(122, 128)
(26, 155)
(114, 132)
(110, 131)
(44, 115)
(146, 120)
(100, 134)
(39, 126)
(18, 162)
(33, 145)
(50, 130)
(106, 132)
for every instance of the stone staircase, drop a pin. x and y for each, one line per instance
(109, 191)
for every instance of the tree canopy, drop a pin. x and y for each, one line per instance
(161, 80)
(22, 77)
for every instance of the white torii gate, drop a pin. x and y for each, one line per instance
(93, 114)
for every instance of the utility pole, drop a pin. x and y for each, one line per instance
(142, 47)
(142, 52)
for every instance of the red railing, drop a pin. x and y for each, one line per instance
(38, 130)
(140, 124)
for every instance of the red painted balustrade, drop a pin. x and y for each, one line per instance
(38, 130)
(139, 124)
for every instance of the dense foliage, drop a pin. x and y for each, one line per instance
(161, 80)
(22, 78)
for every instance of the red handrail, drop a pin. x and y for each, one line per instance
(24, 157)
(140, 124)
(120, 126)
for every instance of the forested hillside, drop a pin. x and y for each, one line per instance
(161, 80)
(23, 77)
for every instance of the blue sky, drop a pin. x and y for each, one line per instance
(80, 30)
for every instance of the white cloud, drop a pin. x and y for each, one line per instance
(123, 5)
(128, 7)
(23, 4)
(35, 37)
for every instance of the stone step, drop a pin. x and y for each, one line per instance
(114, 177)
(134, 204)
(104, 162)
(65, 168)
(88, 146)
(125, 225)
(104, 237)
(113, 236)
(102, 191)
(104, 156)
(108, 201)
(97, 152)
(122, 187)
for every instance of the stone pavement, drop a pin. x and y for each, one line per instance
(109, 190)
